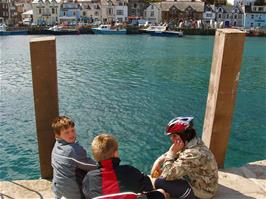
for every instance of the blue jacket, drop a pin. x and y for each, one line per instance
(70, 164)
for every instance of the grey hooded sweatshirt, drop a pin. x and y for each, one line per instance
(70, 164)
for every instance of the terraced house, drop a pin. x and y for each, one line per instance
(116, 10)
(45, 12)
(90, 10)
(69, 12)
(229, 16)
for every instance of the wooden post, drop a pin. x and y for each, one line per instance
(225, 71)
(44, 79)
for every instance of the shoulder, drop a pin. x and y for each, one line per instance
(76, 148)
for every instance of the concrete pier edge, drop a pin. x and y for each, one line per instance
(246, 182)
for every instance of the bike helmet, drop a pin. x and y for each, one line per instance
(178, 125)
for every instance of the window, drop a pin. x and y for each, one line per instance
(135, 5)
(96, 13)
(258, 24)
(219, 16)
(74, 13)
(208, 15)
(84, 13)
(234, 23)
(220, 10)
(109, 11)
(152, 13)
(53, 11)
(260, 8)
(235, 16)
(119, 12)
(152, 7)
(227, 16)
(40, 11)
(64, 13)
(251, 24)
(252, 16)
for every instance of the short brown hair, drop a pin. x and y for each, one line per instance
(103, 146)
(60, 123)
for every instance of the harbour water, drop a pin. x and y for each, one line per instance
(130, 86)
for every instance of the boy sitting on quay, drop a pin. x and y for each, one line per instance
(112, 178)
(69, 160)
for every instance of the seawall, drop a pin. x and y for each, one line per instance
(246, 182)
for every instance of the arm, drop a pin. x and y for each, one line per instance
(175, 169)
(81, 160)
(156, 168)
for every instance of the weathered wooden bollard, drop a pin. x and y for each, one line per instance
(44, 79)
(225, 70)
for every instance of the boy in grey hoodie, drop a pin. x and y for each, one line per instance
(69, 160)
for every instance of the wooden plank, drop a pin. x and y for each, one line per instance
(225, 71)
(44, 79)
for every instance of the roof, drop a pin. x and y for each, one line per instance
(183, 5)
(229, 9)
(29, 12)
(43, 1)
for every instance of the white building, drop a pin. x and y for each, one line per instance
(229, 16)
(153, 13)
(208, 15)
(121, 10)
(255, 16)
(90, 10)
(116, 10)
(240, 2)
(45, 12)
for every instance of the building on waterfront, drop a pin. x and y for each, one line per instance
(240, 2)
(229, 16)
(136, 8)
(90, 11)
(181, 11)
(24, 10)
(69, 12)
(114, 11)
(208, 17)
(4, 10)
(153, 13)
(254, 16)
(8, 12)
(121, 10)
(45, 12)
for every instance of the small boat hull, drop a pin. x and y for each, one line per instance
(6, 33)
(167, 34)
(63, 32)
(109, 32)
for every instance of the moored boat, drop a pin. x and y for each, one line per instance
(4, 32)
(167, 33)
(59, 30)
(109, 30)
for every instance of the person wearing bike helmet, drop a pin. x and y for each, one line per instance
(188, 170)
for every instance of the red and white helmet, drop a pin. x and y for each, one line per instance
(178, 125)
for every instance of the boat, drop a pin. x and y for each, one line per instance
(166, 33)
(153, 28)
(60, 30)
(4, 32)
(109, 30)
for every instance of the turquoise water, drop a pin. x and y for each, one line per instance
(130, 86)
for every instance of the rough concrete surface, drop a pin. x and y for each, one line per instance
(247, 182)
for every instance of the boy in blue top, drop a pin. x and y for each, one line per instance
(69, 160)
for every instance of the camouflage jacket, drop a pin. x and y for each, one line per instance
(197, 165)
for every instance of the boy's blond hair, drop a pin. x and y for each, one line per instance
(103, 147)
(60, 123)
